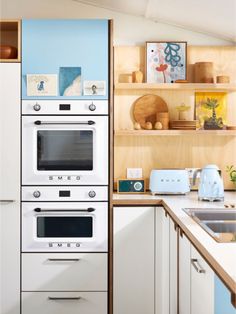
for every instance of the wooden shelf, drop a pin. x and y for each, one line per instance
(10, 35)
(176, 86)
(174, 132)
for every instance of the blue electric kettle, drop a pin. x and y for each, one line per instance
(211, 187)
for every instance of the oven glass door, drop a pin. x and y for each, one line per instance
(65, 150)
(65, 227)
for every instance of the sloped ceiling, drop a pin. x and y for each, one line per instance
(212, 17)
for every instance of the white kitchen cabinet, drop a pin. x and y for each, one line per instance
(64, 302)
(64, 272)
(184, 275)
(202, 285)
(9, 188)
(173, 267)
(134, 260)
(162, 278)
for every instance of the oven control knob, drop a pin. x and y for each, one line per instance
(92, 107)
(37, 107)
(36, 194)
(92, 194)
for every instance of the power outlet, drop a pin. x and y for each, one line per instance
(191, 171)
(134, 173)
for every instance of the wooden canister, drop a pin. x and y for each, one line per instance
(137, 77)
(204, 72)
(163, 117)
(222, 79)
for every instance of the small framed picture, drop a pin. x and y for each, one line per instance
(95, 88)
(41, 84)
(70, 81)
(166, 62)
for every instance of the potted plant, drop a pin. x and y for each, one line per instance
(232, 173)
(212, 123)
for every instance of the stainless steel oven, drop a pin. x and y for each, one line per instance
(64, 226)
(64, 150)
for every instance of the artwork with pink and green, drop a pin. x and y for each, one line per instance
(166, 62)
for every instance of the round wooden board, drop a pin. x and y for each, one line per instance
(146, 107)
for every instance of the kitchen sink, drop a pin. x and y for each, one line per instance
(219, 223)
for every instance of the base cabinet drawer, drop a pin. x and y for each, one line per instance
(64, 272)
(64, 302)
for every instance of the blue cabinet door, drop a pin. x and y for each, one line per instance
(223, 303)
(48, 45)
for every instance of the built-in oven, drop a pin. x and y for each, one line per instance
(64, 226)
(65, 150)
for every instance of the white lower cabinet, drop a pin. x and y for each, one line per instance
(202, 285)
(64, 302)
(64, 272)
(162, 278)
(134, 260)
(173, 265)
(10, 188)
(184, 275)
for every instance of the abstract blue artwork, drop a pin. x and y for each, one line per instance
(166, 61)
(70, 81)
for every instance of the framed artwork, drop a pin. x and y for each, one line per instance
(95, 88)
(166, 62)
(41, 84)
(70, 81)
(211, 110)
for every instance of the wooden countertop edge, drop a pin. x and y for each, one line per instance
(228, 281)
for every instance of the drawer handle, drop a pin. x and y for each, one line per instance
(63, 259)
(64, 298)
(6, 201)
(197, 267)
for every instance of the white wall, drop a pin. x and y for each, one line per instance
(128, 29)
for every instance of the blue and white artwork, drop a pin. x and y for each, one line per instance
(166, 61)
(70, 81)
(41, 84)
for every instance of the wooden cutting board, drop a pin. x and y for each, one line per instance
(146, 107)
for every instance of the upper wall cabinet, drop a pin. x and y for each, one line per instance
(65, 59)
(10, 40)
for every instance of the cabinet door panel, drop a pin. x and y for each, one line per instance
(184, 275)
(134, 260)
(10, 188)
(64, 302)
(202, 285)
(162, 261)
(173, 268)
(64, 272)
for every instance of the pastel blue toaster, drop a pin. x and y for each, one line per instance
(169, 181)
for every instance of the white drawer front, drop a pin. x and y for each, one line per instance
(64, 302)
(64, 272)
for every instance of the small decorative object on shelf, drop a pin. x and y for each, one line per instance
(183, 124)
(166, 61)
(232, 173)
(182, 111)
(204, 72)
(163, 118)
(211, 110)
(158, 126)
(137, 77)
(231, 127)
(148, 126)
(223, 79)
(181, 81)
(137, 126)
(94, 88)
(8, 52)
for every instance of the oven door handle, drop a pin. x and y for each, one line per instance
(38, 122)
(40, 210)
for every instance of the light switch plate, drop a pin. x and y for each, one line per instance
(134, 173)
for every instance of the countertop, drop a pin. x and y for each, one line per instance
(220, 256)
